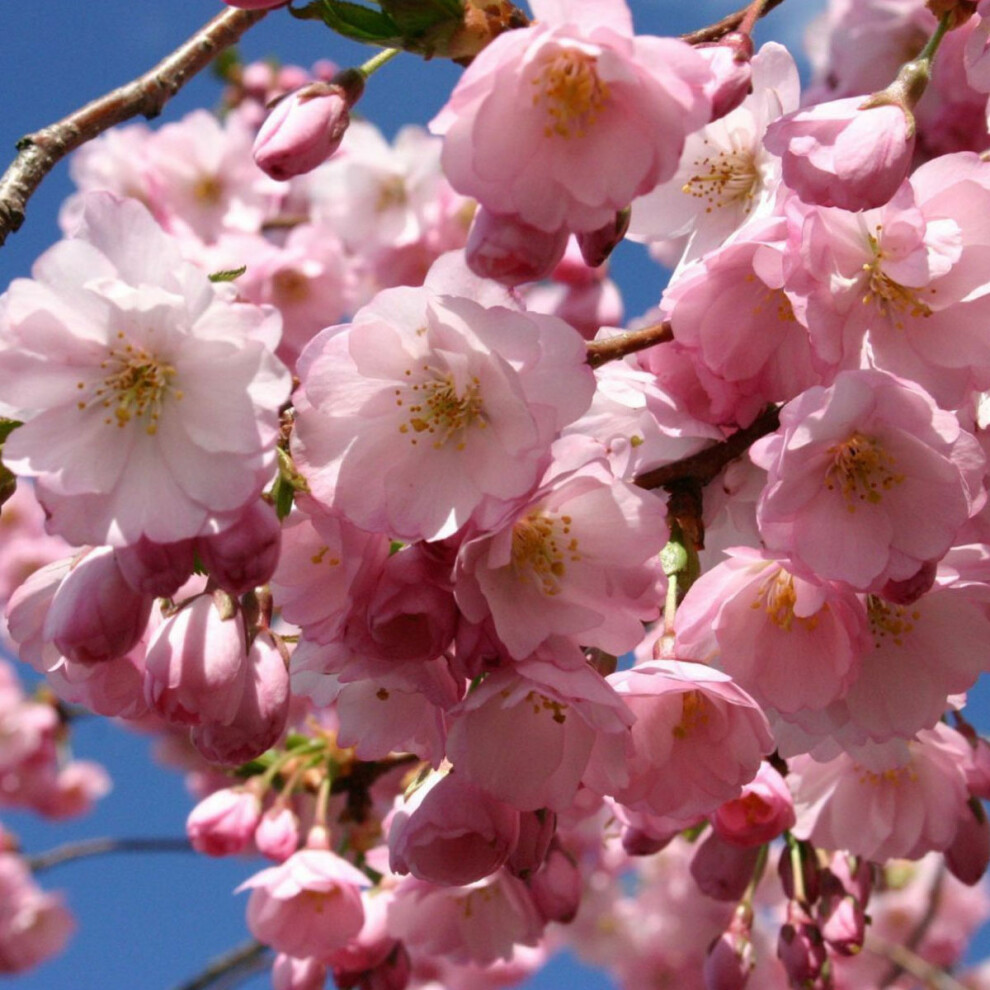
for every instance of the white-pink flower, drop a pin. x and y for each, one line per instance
(150, 398)
(566, 121)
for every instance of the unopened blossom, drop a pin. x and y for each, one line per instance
(277, 834)
(223, 823)
(429, 403)
(567, 120)
(245, 555)
(131, 428)
(308, 906)
(763, 811)
(503, 247)
(868, 480)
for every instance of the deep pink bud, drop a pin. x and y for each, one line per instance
(244, 556)
(721, 871)
(157, 569)
(909, 590)
(800, 949)
(95, 615)
(536, 829)
(597, 245)
(223, 823)
(730, 957)
(843, 924)
(732, 74)
(306, 126)
(558, 887)
(802, 856)
(259, 720)
(277, 834)
(763, 811)
(500, 246)
(968, 856)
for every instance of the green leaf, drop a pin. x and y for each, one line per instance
(8, 481)
(283, 495)
(353, 21)
(415, 17)
(229, 275)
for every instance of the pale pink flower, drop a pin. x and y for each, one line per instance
(564, 122)
(697, 738)
(851, 153)
(579, 561)
(888, 802)
(289, 973)
(763, 811)
(277, 834)
(309, 906)
(111, 356)
(34, 925)
(868, 480)
(429, 403)
(224, 823)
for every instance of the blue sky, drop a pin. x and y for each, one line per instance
(150, 922)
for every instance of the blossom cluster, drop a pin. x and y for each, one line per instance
(477, 619)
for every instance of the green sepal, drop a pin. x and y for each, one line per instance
(415, 18)
(229, 275)
(288, 482)
(8, 481)
(353, 21)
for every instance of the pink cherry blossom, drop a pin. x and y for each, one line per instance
(223, 823)
(567, 120)
(763, 811)
(129, 429)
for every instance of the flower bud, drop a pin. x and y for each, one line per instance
(536, 830)
(730, 957)
(843, 924)
(909, 590)
(500, 246)
(277, 834)
(558, 887)
(763, 811)
(244, 556)
(721, 871)
(95, 615)
(732, 74)
(223, 823)
(156, 569)
(968, 855)
(306, 126)
(801, 950)
(597, 245)
(806, 887)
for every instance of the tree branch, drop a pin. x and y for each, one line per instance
(100, 847)
(706, 464)
(40, 152)
(729, 23)
(613, 348)
(242, 960)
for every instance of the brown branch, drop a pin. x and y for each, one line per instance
(920, 930)
(706, 464)
(729, 23)
(100, 847)
(40, 152)
(239, 962)
(602, 351)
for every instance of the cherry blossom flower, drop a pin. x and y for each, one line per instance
(110, 355)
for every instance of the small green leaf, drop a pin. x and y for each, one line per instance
(8, 481)
(228, 275)
(415, 17)
(283, 495)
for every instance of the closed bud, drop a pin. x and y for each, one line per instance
(801, 950)
(597, 245)
(732, 75)
(501, 247)
(800, 874)
(721, 871)
(244, 556)
(536, 830)
(157, 569)
(909, 590)
(730, 957)
(968, 855)
(95, 615)
(223, 823)
(763, 811)
(277, 834)
(558, 887)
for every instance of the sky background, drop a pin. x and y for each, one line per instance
(150, 922)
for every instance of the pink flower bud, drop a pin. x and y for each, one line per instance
(721, 871)
(807, 866)
(244, 556)
(452, 833)
(732, 74)
(157, 569)
(969, 854)
(194, 665)
(223, 823)
(502, 247)
(597, 245)
(289, 973)
(536, 830)
(277, 835)
(306, 127)
(843, 924)
(95, 615)
(763, 811)
(909, 590)
(558, 887)
(34, 924)
(259, 720)
(801, 950)
(730, 957)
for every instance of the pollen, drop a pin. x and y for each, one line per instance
(542, 547)
(890, 622)
(861, 470)
(694, 713)
(440, 412)
(777, 596)
(135, 386)
(568, 84)
(541, 703)
(892, 300)
(724, 178)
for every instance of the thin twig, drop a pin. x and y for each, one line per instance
(921, 929)
(729, 23)
(147, 95)
(908, 961)
(242, 957)
(613, 348)
(706, 464)
(101, 847)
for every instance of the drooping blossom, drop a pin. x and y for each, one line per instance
(111, 356)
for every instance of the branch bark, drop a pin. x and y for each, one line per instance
(602, 351)
(40, 152)
(728, 23)
(100, 847)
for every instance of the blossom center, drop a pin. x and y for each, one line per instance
(290, 286)
(887, 620)
(694, 713)
(862, 470)
(541, 703)
(891, 298)
(778, 597)
(436, 409)
(574, 95)
(724, 178)
(135, 386)
(541, 548)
